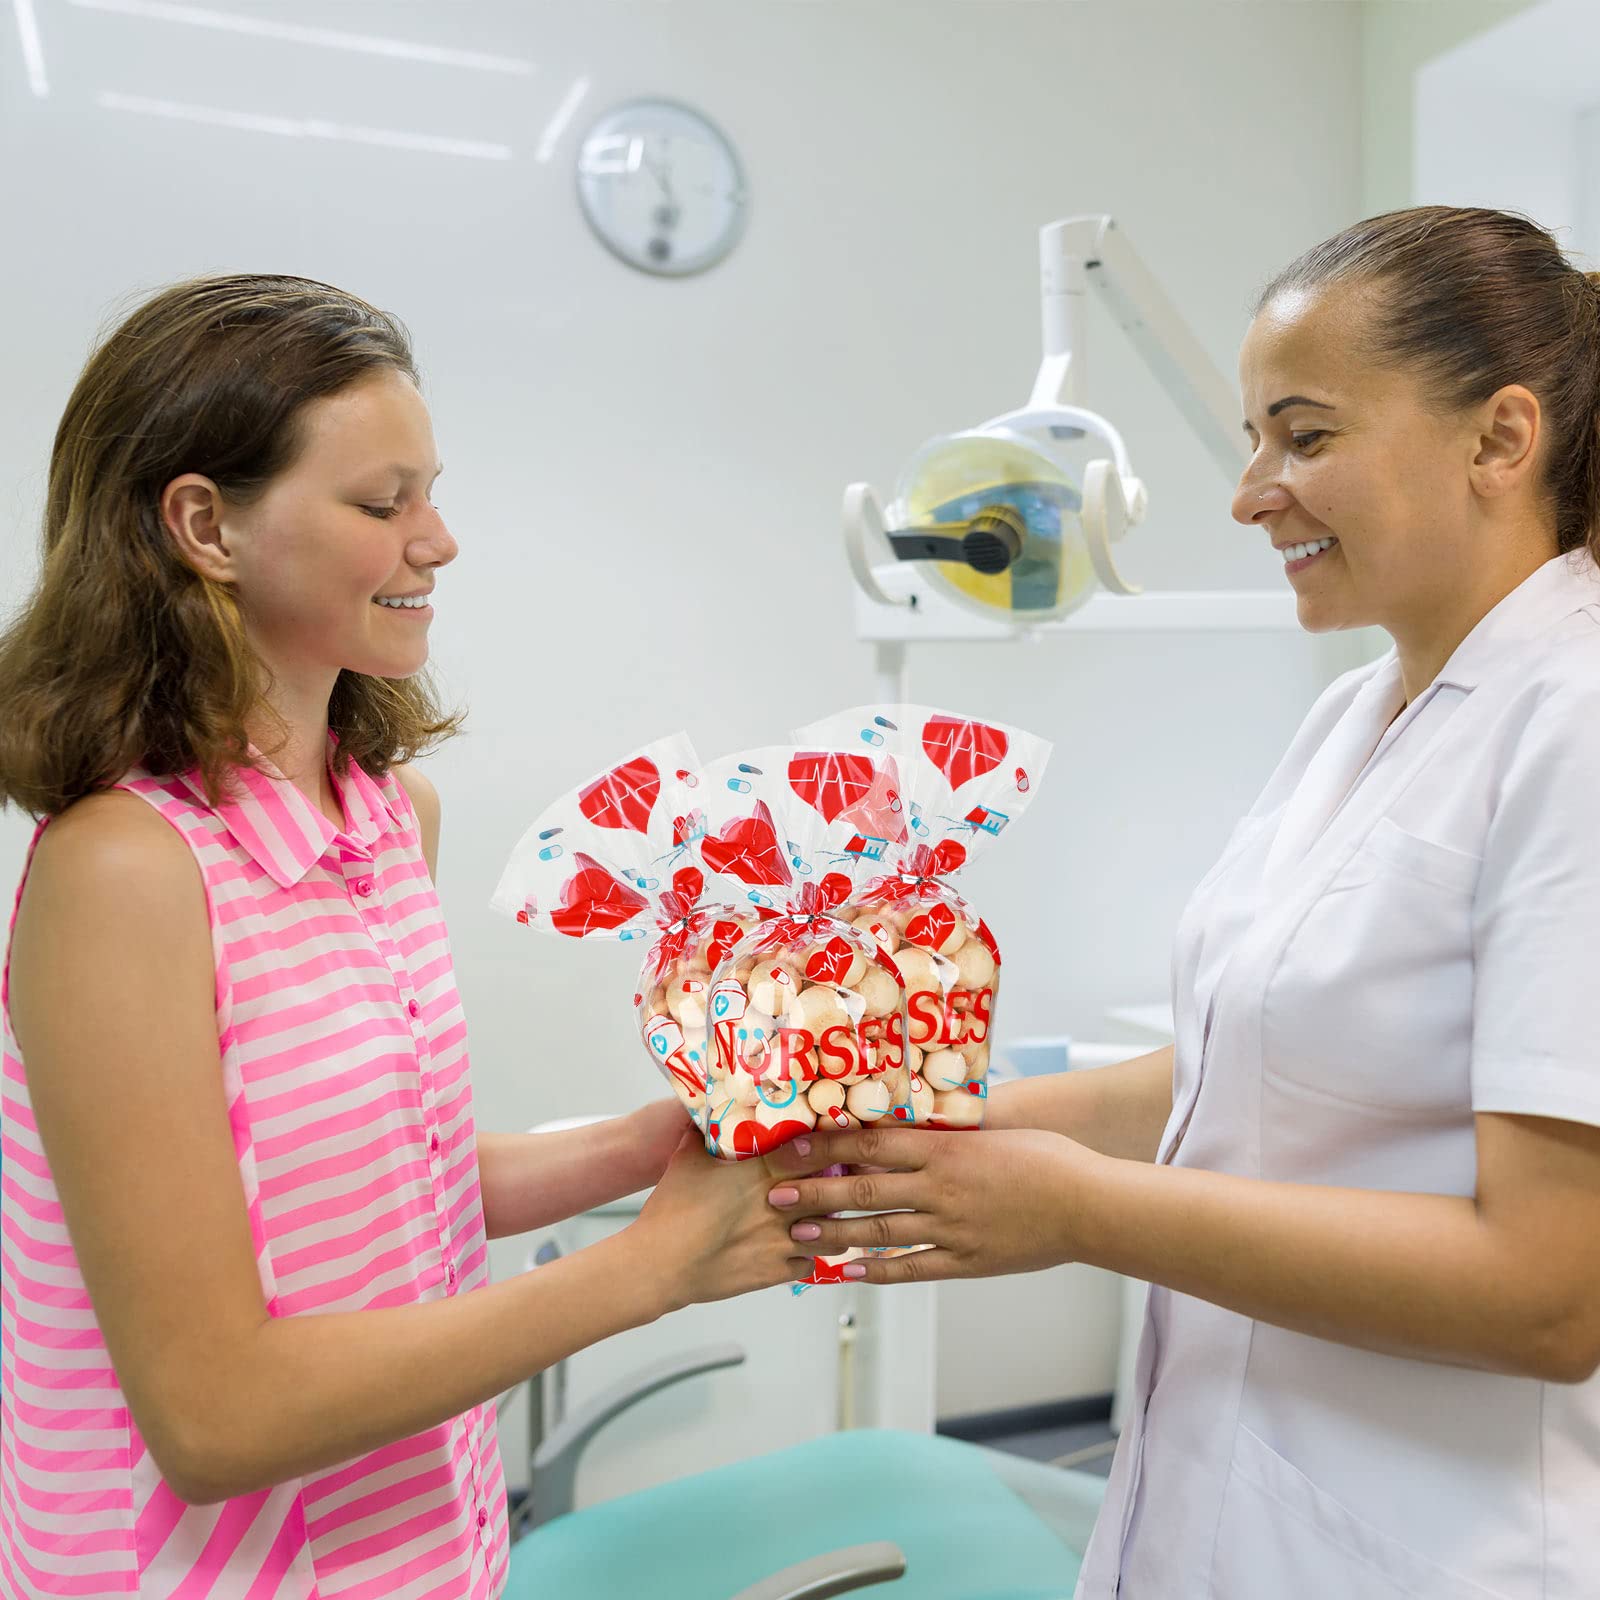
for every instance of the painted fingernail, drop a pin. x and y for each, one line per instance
(855, 1270)
(802, 1147)
(784, 1196)
(805, 1230)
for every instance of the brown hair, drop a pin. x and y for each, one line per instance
(125, 655)
(1473, 300)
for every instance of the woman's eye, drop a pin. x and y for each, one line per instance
(1302, 440)
(383, 513)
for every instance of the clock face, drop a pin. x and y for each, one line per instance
(662, 187)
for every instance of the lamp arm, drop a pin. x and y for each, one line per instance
(1077, 252)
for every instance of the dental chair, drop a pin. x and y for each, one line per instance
(855, 1509)
(843, 1512)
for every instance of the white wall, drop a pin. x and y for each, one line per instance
(645, 475)
(1508, 118)
(1398, 37)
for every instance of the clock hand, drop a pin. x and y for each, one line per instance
(661, 178)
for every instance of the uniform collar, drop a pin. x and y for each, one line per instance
(284, 832)
(1552, 592)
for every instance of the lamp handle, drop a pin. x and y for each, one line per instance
(1105, 519)
(863, 522)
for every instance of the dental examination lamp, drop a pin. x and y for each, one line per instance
(990, 536)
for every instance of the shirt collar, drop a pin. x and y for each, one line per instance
(1564, 584)
(284, 832)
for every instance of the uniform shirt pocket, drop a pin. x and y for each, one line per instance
(1439, 864)
(1371, 1001)
(1281, 1535)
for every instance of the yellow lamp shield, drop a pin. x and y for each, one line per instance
(953, 478)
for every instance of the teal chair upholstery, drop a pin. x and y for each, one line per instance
(973, 1524)
(829, 1516)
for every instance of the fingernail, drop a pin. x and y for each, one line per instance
(805, 1230)
(784, 1196)
(855, 1270)
(802, 1147)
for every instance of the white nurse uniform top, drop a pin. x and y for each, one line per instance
(1404, 930)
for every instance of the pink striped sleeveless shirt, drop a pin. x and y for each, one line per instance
(344, 1061)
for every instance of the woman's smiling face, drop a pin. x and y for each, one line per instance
(350, 520)
(1347, 450)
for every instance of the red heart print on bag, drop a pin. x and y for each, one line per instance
(830, 781)
(857, 789)
(962, 750)
(932, 927)
(827, 1271)
(592, 901)
(724, 936)
(624, 797)
(751, 1139)
(835, 888)
(831, 962)
(678, 902)
(747, 849)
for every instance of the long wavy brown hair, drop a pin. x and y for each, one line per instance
(124, 655)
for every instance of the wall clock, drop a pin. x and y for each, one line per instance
(662, 187)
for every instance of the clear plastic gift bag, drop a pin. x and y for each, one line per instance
(615, 859)
(959, 784)
(807, 1013)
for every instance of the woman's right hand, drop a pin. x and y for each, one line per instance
(708, 1230)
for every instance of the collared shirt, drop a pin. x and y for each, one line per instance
(344, 1066)
(1399, 936)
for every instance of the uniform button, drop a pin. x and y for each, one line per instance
(433, 1144)
(450, 1272)
(414, 1008)
(363, 886)
(483, 1519)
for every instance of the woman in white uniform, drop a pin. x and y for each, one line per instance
(1365, 1181)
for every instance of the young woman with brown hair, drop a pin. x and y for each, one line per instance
(250, 1347)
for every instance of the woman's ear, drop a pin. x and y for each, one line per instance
(1509, 425)
(191, 510)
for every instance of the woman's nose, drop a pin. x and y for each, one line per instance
(437, 549)
(1257, 496)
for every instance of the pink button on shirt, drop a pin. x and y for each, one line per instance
(358, 1166)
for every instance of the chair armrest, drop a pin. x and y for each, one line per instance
(555, 1462)
(838, 1572)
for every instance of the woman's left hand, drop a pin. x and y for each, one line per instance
(988, 1202)
(653, 1133)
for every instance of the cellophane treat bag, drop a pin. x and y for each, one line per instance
(960, 784)
(615, 859)
(807, 1013)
